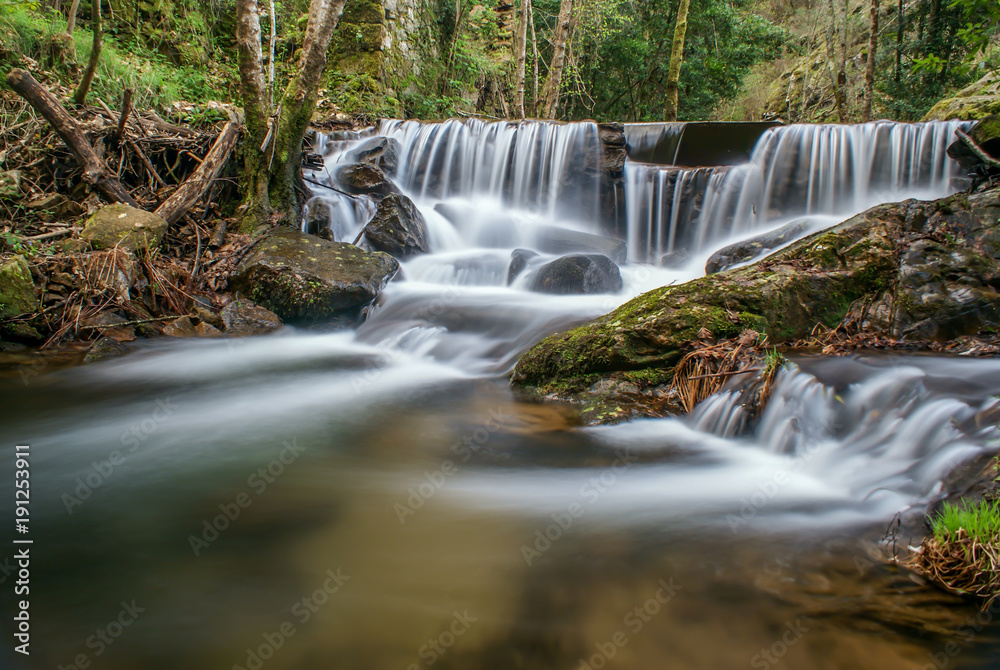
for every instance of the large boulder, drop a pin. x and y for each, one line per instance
(986, 134)
(17, 290)
(397, 227)
(745, 250)
(124, 227)
(365, 179)
(580, 273)
(913, 271)
(305, 279)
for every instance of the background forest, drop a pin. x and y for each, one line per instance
(795, 60)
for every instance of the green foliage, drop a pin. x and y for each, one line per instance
(981, 522)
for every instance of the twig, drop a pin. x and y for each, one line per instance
(58, 233)
(136, 322)
(126, 108)
(726, 374)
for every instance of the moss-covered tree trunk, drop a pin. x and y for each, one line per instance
(521, 47)
(273, 147)
(831, 30)
(676, 60)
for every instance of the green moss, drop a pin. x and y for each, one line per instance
(17, 291)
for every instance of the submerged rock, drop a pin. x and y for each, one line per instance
(365, 179)
(242, 318)
(909, 271)
(677, 258)
(518, 261)
(17, 290)
(581, 273)
(304, 279)
(104, 349)
(398, 228)
(745, 250)
(124, 227)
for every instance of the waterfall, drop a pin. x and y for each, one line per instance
(794, 171)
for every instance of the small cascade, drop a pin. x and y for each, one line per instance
(654, 142)
(794, 171)
(546, 168)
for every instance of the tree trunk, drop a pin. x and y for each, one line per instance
(553, 85)
(270, 60)
(71, 17)
(838, 94)
(842, 59)
(297, 104)
(253, 89)
(534, 57)
(521, 44)
(95, 54)
(676, 60)
(866, 114)
(194, 187)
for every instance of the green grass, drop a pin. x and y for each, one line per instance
(980, 522)
(154, 80)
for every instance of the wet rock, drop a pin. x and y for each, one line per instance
(17, 290)
(124, 227)
(745, 250)
(107, 324)
(362, 178)
(518, 261)
(180, 327)
(677, 258)
(581, 273)
(104, 349)
(304, 279)
(910, 271)
(379, 151)
(986, 134)
(397, 227)
(206, 330)
(242, 318)
(206, 315)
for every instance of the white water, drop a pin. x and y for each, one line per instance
(794, 171)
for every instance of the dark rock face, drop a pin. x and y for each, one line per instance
(242, 318)
(518, 261)
(911, 271)
(744, 250)
(398, 228)
(986, 133)
(365, 179)
(304, 279)
(104, 349)
(677, 258)
(582, 273)
(382, 152)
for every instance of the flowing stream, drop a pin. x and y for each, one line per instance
(378, 498)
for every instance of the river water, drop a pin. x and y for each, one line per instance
(378, 498)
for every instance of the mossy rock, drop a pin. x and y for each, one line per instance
(363, 11)
(352, 38)
(17, 290)
(305, 279)
(124, 227)
(934, 267)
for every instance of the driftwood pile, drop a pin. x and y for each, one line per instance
(69, 163)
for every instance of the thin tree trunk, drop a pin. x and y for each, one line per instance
(253, 88)
(534, 57)
(298, 103)
(71, 17)
(866, 114)
(553, 85)
(95, 54)
(838, 94)
(270, 62)
(842, 60)
(188, 193)
(899, 54)
(676, 60)
(521, 44)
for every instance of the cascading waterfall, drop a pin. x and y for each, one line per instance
(795, 171)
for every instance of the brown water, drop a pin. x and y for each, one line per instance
(412, 509)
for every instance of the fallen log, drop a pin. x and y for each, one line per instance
(193, 188)
(95, 172)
